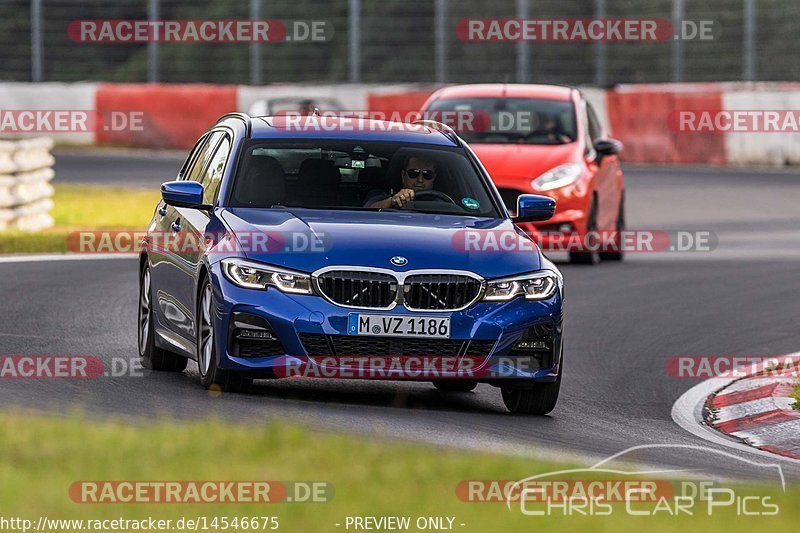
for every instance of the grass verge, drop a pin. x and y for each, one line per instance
(42, 457)
(796, 396)
(84, 207)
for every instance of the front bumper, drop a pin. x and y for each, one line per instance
(482, 346)
(572, 207)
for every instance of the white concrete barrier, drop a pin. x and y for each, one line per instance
(49, 96)
(26, 168)
(762, 149)
(252, 99)
(597, 97)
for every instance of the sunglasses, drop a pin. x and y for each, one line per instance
(414, 173)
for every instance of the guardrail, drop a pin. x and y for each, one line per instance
(26, 168)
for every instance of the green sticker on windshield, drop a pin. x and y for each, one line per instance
(470, 203)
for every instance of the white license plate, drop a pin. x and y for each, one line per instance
(398, 326)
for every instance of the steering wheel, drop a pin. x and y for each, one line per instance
(436, 195)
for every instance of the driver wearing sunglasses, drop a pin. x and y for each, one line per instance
(418, 175)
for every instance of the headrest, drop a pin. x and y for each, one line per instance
(318, 173)
(264, 182)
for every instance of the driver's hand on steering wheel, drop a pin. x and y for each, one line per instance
(402, 197)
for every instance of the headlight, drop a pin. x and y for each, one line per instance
(559, 176)
(536, 286)
(251, 275)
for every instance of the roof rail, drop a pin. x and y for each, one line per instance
(443, 128)
(244, 117)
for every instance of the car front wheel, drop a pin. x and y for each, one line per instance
(618, 254)
(587, 257)
(211, 376)
(539, 399)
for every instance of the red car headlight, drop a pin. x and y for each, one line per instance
(557, 177)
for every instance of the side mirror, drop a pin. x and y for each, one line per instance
(183, 194)
(605, 147)
(534, 208)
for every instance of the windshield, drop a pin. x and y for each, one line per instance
(324, 174)
(510, 120)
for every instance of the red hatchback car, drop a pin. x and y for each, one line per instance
(548, 140)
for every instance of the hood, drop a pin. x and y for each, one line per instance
(524, 160)
(308, 239)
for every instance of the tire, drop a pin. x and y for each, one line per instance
(152, 356)
(590, 257)
(539, 400)
(211, 376)
(455, 385)
(619, 254)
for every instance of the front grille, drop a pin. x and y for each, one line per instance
(420, 292)
(439, 291)
(359, 289)
(317, 345)
(479, 348)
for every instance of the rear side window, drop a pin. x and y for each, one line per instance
(216, 168)
(193, 155)
(203, 157)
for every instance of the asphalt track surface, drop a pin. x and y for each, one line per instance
(623, 322)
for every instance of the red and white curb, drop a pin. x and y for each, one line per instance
(753, 412)
(758, 410)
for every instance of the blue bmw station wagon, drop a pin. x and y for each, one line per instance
(348, 249)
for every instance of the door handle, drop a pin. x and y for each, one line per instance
(162, 210)
(176, 226)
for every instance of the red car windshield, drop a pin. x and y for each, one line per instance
(508, 120)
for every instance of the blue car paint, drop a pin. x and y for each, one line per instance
(372, 239)
(289, 315)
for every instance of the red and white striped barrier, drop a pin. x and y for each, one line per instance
(644, 117)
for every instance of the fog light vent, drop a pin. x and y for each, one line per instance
(532, 345)
(255, 334)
